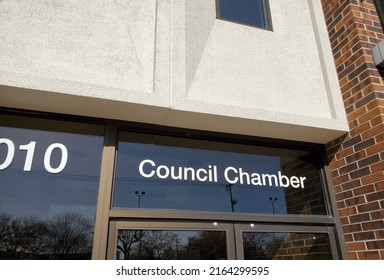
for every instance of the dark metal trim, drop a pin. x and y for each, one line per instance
(118, 214)
(338, 230)
(331, 203)
(379, 4)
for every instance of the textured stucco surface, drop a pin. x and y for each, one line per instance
(256, 68)
(172, 62)
(81, 41)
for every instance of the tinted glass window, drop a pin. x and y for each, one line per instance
(286, 246)
(48, 191)
(141, 244)
(250, 12)
(177, 173)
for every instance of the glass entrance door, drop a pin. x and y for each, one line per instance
(171, 241)
(284, 242)
(139, 240)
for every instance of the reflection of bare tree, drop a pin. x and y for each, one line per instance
(149, 245)
(20, 237)
(261, 245)
(5, 221)
(207, 245)
(27, 232)
(126, 239)
(167, 245)
(67, 235)
(158, 245)
(255, 244)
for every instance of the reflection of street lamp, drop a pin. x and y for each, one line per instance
(233, 201)
(139, 195)
(273, 200)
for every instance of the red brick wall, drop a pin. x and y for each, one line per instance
(357, 161)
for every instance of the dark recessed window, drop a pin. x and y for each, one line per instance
(249, 12)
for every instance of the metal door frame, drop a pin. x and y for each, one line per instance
(170, 225)
(254, 227)
(233, 231)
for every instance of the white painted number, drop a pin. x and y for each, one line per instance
(47, 158)
(10, 153)
(30, 148)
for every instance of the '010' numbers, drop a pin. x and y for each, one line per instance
(30, 149)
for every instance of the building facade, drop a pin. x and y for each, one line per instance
(191, 129)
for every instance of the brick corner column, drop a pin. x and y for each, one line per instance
(357, 160)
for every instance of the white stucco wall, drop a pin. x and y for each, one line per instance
(171, 62)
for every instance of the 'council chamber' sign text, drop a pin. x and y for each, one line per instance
(233, 175)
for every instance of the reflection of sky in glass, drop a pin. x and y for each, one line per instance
(40, 193)
(194, 195)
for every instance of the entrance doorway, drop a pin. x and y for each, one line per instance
(211, 240)
(177, 197)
